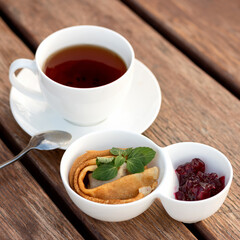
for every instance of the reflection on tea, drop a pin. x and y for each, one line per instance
(84, 66)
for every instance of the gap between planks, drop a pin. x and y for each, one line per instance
(183, 46)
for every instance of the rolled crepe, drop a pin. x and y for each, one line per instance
(125, 189)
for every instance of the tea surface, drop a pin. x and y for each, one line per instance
(84, 66)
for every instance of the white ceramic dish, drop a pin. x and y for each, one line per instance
(167, 159)
(137, 113)
(215, 161)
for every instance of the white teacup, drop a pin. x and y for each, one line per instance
(82, 106)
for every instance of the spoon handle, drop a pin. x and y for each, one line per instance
(17, 157)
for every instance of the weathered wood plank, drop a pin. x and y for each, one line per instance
(194, 108)
(26, 212)
(208, 31)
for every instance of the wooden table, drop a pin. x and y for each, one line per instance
(192, 47)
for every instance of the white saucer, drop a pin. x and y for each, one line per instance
(136, 114)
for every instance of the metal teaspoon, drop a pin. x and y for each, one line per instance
(44, 141)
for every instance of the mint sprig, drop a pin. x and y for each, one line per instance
(135, 158)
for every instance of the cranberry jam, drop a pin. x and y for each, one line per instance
(195, 184)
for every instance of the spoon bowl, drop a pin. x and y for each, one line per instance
(43, 141)
(50, 140)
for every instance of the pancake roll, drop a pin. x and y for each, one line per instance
(125, 187)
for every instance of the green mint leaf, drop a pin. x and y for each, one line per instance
(134, 165)
(119, 160)
(105, 172)
(127, 152)
(143, 154)
(121, 152)
(116, 151)
(101, 160)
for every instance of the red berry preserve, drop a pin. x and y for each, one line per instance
(195, 184)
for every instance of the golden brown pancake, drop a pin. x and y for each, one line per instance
(126, 189)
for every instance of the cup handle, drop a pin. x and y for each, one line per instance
(24, 63)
